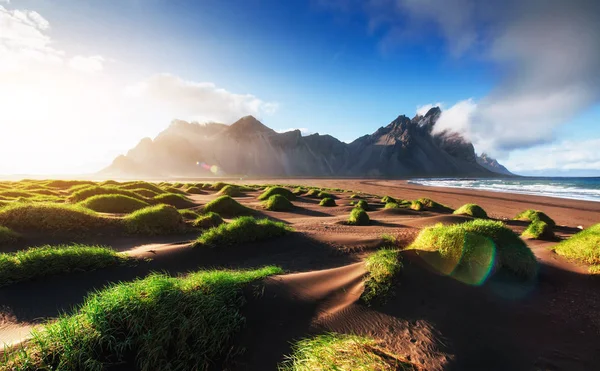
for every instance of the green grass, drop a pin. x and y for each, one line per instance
(154, 220)
(538, 230)
(142, 185)
(175, 200)
(53, 218)
(277, 191)
(87, 192)
(533, 215)
(278, 202)
(338, 352)
(382, 267)
(243, 229)
(231, 190)
(208, 220)
(195, 190)
(15, 194)
(218, 186)
(471, 250)
(47, 260)
(174, 190)
(388, 199)
(430, 204)
(399, 204)
(145, 193)
(473, 210)
(113, 204)
(328, 202)
(362, 204)
(226, 206)
(8, 236)
(359, 216)
(156, 323)
(312, 193)
(323, 194)
(416, 205)
(66, 184)
(583, 247)
(188, 214)
(299, 191)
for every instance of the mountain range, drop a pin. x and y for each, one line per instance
(404, 148)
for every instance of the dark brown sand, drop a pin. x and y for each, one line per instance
(433, 320)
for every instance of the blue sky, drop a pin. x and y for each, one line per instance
(342, 67)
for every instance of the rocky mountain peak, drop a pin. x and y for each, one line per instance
(249, 125)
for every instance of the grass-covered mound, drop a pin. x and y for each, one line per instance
(333, 351)
(328, 202)
(399, 204)
(15, 194)
(539, 230)
(8, 236)
(276, 191)
(87, 192)
(278, 203)
(145, 193)
(208, 220)
(231, 190)
(299, 191)
(533, 215)
(188, 214)
(243, 229)
(359, 216)
(142, 185)
(362, 204)
(175, 200)
(157, 323)
(226, 206)
(195, 190)
(382, 268)
(583, 247)
(323, 194)
(66, 184)
(469, 251)
(113, 204)
(154, 220)
(416, 205)
(52, 218)
(430, 204)
(218, 186)
(47, 260)
(473, 210)
(388, 199)
(174, 190)
(313, 193)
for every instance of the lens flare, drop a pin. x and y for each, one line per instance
(212, 168)
(471, 261)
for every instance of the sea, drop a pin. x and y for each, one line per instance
(587, 189)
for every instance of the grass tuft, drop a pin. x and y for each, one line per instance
(430, 204)
(175, 200)
(328, 202)
(362, 204)
(113, 204)
(583, 247)
(156, 323)
(278, 203)
(87, 192)
(388, 199)
(359, 216)
(331, 351)
(323, 194)
(188, 214)
(47, 260)
(8, 236)
(208, 220)
(533, 215)
(539, 230)
(52, 218)
(243, 229)
(227, 207)
(277, 191)
(195, 190)
(416, 205)
(473, 210)
(154, 220)
(477, 245)
(231, 191)
(382, 268)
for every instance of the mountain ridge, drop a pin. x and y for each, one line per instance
(404, 148)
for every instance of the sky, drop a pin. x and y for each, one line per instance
(84, 81)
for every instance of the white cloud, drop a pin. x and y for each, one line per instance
(457, 118)
(87, 64)
(199, 101)
(422, 110)
(23, 40)
(561, 156)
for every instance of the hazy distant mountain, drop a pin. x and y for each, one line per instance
(248, 148)
(492, 165)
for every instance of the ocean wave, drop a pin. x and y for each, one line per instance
(571, 188)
